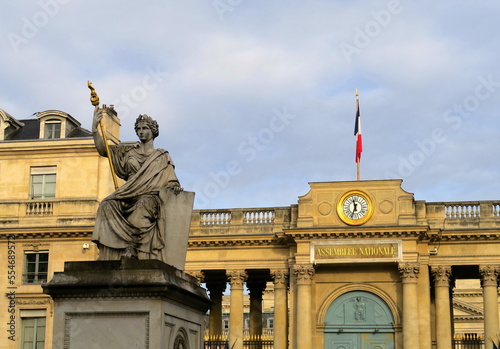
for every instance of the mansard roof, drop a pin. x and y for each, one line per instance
(29, 129)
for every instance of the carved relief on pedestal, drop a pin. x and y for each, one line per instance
(441, 275)
(409, 271)
(489, 275)
(304, 273)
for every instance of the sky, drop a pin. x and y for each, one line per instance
(256, 99)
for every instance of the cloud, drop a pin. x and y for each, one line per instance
(215, 81)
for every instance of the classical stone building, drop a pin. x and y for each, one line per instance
(351, 264)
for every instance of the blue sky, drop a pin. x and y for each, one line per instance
(256, 99)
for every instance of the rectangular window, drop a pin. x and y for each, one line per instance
(270, 323)
(52, 129)
(33, 333)
(43, 182)
(36, 267)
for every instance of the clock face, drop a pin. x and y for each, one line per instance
(355, 207)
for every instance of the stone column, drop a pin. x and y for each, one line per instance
(409, 275)
(236, 278)
(256, 288)
(280, 308)
(443, 312)
(215, 288)
(304, 274)
(424, 306)
(489, 283)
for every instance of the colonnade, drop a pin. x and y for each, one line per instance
(416, 313)
(416, 305)
(256, 284)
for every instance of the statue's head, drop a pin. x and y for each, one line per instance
(152, 124)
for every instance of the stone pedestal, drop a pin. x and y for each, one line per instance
(127, 304)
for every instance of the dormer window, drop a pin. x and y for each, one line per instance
(52, 129)
(55, 124)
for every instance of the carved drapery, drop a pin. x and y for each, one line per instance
(409, 272)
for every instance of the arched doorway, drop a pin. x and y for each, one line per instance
(359, 320)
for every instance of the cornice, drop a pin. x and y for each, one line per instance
(471, 309)
(471, 235)
(420, 232)
(235, 240)
(50, 233)
(468, 318)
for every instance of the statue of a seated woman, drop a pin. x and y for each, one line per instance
(127, 222)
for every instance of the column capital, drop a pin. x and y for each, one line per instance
(236, 277)
(409, 272)
(198, 274)
(216, 287)
(256, 287)
(489, 275)
(304, 273)
(279, 276)
(441, 275)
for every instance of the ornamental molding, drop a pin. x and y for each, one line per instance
(237, 278)
(304, 273)
(489, 275)
(280, 276)
(441, 275)
(67, 235)
(409, 272)
(313, 233)
(468, 318)
(209, 243)
(199, 275)
(33, 301)
(470, 235)
(472, 310)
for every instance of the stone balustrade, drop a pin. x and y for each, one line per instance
(438, 215)
(54, 212)
(241, 220)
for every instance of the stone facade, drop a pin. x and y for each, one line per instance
(432, 266)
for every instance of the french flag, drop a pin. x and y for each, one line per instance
(357, 131)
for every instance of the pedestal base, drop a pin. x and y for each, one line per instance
(127, 304)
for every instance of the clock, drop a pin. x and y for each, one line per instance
(355, 207)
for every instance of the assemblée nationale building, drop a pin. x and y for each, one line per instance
(358, 264)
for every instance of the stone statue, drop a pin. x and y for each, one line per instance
(128, 222)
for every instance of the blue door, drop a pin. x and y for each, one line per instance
(359, 320)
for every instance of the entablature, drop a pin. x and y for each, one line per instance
(401, 232)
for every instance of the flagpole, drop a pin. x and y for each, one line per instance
(359, 140)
